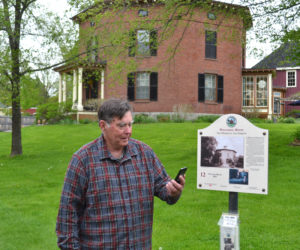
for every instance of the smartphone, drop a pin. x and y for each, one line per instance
(180, 172)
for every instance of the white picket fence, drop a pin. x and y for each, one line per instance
(5, 122)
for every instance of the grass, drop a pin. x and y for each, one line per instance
(30, 187)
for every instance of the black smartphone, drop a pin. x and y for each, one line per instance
(180, 172)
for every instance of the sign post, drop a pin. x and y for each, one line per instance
(232, 156)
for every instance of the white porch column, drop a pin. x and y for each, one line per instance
(102, 85)
(79, 106)
(75, 99)
(64, 87)
(59, 88)
(270, 91)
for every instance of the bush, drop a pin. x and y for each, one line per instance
(85, 121)
(286, 120)
(67, 121)
(143, 118)
(54, 112)
(293, 113)
(178, 118)
(207, 118)
(297, 134)
(163, 118)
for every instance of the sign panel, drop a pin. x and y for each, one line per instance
(233, 156)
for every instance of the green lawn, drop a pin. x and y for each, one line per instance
(30, 187)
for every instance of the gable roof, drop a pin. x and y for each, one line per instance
(281, 57)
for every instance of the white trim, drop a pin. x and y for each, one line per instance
(288, 68)
(64, 87)
(270, 96)
(75, 101)
(60, 88)
(286, 78)
(79, 105)
(102, 84)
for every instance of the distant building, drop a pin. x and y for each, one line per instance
(206, 75)
(227, 156)
(286, 82)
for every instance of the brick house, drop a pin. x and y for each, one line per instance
(286, 82)
(204, 74)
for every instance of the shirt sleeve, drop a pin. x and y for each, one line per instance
(71, 205)
(161, 179)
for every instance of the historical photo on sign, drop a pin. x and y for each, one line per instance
(238, 176)
(222, 151)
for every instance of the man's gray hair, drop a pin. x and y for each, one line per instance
(113, 108)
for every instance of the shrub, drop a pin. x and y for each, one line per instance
(207, 118)
(286, 120)
(143, 118)
(163, 118)
(178, 118)
(297, 134)
(293, 113)
(85, 121)
(54, 112)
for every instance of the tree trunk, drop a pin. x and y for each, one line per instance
(16, 145)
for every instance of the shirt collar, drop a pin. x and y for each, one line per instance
(130, 150)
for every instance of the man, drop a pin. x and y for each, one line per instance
(109, 188)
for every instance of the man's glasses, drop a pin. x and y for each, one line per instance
(122, 125)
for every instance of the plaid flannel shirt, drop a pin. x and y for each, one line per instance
(107, 203)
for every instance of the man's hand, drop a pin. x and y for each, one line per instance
(174, 188)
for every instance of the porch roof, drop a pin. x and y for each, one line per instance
(68, 67)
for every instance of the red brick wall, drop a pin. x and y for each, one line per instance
(178, 77)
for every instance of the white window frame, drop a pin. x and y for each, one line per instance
(287, 78)
(210, 87)
(263, 91)
(276, 96)
(142, 90)
(249, 92)
(143, 42)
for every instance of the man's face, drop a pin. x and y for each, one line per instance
(118, 132)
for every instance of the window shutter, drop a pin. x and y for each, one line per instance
(132, 43)
(153, 43)
(153, 86)
(130, 86)
(201, 87)
(220, 89)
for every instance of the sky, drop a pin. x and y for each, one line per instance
(61, 6)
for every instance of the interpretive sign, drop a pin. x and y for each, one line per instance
(233, 156)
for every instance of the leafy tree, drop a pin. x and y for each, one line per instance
(276, 22)
(22, 21)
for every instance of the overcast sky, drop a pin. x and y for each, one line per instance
(61, 6)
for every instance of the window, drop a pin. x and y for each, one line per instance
(92, 49)
(143, 43)
(248, 91)
(142, 86)
(291, 78)
(276, 105)
(261, 91)
(210, 44)
(255, 91)
(210, 88)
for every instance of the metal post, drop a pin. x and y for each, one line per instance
(233, 202)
